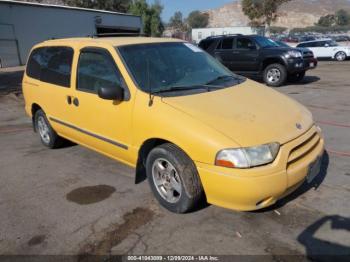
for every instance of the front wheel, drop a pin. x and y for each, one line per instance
(275, 75)
(173, 178)
(340, 56)
(294, 78)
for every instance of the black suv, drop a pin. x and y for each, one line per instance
(259, 56)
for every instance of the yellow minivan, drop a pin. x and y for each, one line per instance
(184, 121)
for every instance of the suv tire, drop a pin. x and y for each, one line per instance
(294, 78)
(340, 56)
(48, 136)
(173, 178)
(275, 75)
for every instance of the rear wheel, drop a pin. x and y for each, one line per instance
(173, 179)
(340, 56)
(48, 136)
(296, 77)
(275, 75)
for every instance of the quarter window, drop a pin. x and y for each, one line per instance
(97, 69)
(52, 65)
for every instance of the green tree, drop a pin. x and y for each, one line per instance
(342, 17)
(110, 5)
(327, 20)
(262, 12)
(197, 19)
(177, 22)
(151, 16)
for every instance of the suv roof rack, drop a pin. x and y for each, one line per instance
(216, 36)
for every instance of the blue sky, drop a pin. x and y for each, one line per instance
(186, 6)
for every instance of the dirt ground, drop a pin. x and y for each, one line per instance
(72, 201)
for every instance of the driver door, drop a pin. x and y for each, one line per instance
(103, 125)
(246, 55)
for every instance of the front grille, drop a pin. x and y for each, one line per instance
(304, 148)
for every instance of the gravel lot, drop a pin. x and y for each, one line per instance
(73, 201)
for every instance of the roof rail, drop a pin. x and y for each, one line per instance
(214, 36)
(117, 34)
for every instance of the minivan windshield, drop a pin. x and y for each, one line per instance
(175, 68)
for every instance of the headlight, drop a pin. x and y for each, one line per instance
(293, 54)
(247, 157)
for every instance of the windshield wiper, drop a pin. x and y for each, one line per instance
(183, 88)
(218, 78)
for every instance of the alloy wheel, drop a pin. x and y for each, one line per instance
(166, 180)
(44, 130)
(273, 75)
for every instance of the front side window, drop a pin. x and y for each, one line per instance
(245, 43)
(97, 69)
(331, 43)
(164, 66)
(52, 65)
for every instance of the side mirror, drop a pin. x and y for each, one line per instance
(326, 45)
(111, 93)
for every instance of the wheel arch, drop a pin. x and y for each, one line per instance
(145, 149)
(35, 108)
(271, 60)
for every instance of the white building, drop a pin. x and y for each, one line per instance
(201, 33)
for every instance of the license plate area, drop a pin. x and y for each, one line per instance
(314, 170)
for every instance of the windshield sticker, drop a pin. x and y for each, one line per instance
(193, 48)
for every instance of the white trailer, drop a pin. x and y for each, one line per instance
(201, 33)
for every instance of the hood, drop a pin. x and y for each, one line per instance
(249, 114)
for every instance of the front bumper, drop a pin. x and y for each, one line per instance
(252, 189)
(295, 65)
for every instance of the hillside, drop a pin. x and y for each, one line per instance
(297, 13)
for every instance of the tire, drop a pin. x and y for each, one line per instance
(340, 56)
(275, 75)
(177, 176)
(48, 136)
(294, 78)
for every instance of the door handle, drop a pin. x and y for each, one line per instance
(76, 101)
(69, 100)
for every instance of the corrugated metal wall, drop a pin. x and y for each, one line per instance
(25, 25)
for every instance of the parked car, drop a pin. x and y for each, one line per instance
(327, 48)
(308, 56)
(259, 56)
(342, 38)
(170, 110)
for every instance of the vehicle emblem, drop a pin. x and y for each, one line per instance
(299, 126)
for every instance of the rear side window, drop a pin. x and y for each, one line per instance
(227, 43)
(52, 65)
(311, 44)
(97, 69)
